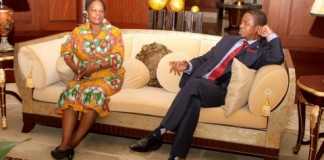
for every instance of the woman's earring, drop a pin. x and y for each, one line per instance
(104, 20)
(85, 17)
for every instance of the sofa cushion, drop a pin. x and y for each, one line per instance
(40, 60)
(170, 81)
(270, 84)
(136, 101)
(64, 71)
(137, 75)
(173, 40)
(239, 87)
(51, 93)
(208, 42)
(128, 45)
(150, 55)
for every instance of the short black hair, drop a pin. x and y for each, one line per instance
(260, 18)
(89, 2)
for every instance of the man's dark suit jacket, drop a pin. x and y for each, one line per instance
(258, 54)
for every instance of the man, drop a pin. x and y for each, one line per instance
(205, 80)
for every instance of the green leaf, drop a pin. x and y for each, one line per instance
(6, 146)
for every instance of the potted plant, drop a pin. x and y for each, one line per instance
(6, 146)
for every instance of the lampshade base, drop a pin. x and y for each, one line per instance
(5, 46)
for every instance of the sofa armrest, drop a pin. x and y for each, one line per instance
(25, 92)
(37, 59)
(278, 120)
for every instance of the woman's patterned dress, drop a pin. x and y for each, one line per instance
(105, 48)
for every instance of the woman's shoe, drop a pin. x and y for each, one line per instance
(62, 154)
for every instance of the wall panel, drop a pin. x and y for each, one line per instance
(292, 21)
(128, 13)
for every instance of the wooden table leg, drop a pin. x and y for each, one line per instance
(3, 99)
(315, 119)
(301, 124)
(320, 152)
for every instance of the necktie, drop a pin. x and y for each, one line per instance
(218, 71)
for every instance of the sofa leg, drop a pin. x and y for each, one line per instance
(270, 158)
(28, 126)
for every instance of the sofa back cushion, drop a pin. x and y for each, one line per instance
(207, 42)
(182, 42)
(174, 43)
(128, 45)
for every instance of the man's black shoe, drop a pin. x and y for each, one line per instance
(175, 158)
(146, 144)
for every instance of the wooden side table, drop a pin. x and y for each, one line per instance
(6, 75)
(311, 90)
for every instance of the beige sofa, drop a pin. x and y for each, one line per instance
(138, 109)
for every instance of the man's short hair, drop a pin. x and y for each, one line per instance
(260, 17)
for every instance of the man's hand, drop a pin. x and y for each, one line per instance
(177, 67)
(265, 31)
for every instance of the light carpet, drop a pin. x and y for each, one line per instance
(103, 147)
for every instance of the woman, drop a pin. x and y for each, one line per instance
(94, 52)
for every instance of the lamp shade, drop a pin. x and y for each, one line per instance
(318, 8)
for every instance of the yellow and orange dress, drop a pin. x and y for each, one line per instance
(92, 92)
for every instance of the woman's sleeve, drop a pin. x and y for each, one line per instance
(68, 46)
(116, 56)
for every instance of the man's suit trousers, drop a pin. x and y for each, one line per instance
(183, 114)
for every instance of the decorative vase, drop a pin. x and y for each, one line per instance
(157, 4)
(6, 25)
(195, 9)
(239, 2)
(176, 5)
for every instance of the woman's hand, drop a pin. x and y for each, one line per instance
(177, 67)
(106, 105)
(79, 75)
(69, 61)
(90, 68)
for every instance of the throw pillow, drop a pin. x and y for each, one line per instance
(270, 84)
(150, 55)
(167, 80)
(64, 71)
(239, 87)
(137, 75)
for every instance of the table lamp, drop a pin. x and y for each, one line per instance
(318, 8)
(6, 25)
